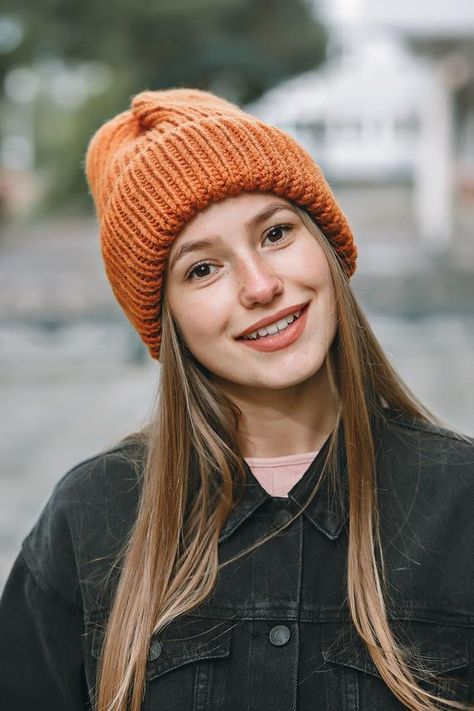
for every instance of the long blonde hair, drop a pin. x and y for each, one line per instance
(192, 462)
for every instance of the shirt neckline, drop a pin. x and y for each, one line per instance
(281, 461)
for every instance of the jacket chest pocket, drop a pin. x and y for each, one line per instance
(188, 665)
(354, 682)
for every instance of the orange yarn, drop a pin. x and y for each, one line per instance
(153, 167)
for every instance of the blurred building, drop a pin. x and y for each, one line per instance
(358, 114)
(394, 101)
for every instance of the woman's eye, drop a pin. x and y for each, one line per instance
(200, 270)
(279, 229)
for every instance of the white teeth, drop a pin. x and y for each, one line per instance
(274, 327)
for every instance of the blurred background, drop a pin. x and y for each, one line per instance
(381, 94)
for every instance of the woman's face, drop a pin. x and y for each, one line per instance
(252, 266)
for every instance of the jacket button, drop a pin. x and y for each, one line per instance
(155, 650)
(279, 635)
(281, 518)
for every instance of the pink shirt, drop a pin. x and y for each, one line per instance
(279, 474)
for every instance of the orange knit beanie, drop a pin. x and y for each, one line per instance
(153, 167)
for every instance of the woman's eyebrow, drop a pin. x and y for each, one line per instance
(261, 216)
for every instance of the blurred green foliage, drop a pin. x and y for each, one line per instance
(237, 48)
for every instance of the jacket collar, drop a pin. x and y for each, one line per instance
(326, 511)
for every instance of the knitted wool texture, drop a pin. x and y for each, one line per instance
(151, 168)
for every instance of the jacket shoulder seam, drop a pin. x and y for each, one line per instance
(429, 428)
(43, 584)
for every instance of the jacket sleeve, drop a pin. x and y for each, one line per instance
(60, 579)
(40, 647)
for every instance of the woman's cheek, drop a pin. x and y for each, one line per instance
(199, 324)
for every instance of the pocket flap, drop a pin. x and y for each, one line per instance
(439, 647)
(184, 640)
(188, 639)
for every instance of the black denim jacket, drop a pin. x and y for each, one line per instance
(276, 633)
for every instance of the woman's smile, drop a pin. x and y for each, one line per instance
(279, 335)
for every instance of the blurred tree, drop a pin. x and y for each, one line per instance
(237, 48)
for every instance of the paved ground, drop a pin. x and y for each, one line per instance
(73, 380)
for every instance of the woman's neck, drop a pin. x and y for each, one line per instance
(275, 423)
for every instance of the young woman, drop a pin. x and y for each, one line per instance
(293, 529)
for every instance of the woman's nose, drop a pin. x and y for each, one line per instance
(258, 283)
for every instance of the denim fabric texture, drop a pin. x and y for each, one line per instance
(276, 633)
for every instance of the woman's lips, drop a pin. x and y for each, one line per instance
(268, 321)
(279, 340)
